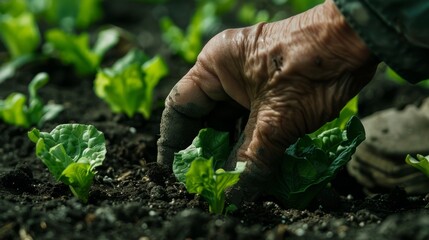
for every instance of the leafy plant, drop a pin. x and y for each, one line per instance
(71, 152)
(14, 111)
(310, 163)
(199, 167)
(75, 50)
(211, 185)
(69, 15)
(128, 86)
(187, 45)
(19, 33)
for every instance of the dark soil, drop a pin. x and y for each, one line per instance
(134, 198)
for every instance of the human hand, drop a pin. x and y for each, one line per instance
(292, 76)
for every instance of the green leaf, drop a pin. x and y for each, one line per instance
(13, 110)
(73, 49)
(188, 45)
(209, 143)
(202, 179)
(20, 34)
(79, 178)
(127, 86)
(309, 164)
(154, 70)
(421, 163)
(69, 15)
(82, 146)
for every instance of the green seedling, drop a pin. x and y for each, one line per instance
(75, 49)
(187, 45)
(199, 167)
(14, 111)
(128, 85)
(19, 33)
(69, 15)
(71, 152)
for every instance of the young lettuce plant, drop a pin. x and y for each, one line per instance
(128, 86)
(69, 15)
(19, 33)
(205, 21)
(199, 167)
(75, 50)
(71, 152)
(14, 111)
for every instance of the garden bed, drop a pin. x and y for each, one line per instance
(132, 197)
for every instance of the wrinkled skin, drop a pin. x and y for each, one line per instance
(291, 76)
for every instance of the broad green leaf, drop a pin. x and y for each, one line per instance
(308, 165)
(127, 87)
(421, 163)
(209, 143)
(20, 34)
(71, 152)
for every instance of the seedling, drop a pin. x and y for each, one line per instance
(71, 152)
(75, 50)
(188, 43)
(14, 111)
(19, 33)
(128, 86)
(69, 15)
(199, 167)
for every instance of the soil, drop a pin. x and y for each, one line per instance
(132, 197)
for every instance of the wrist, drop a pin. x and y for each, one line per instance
(343, 38)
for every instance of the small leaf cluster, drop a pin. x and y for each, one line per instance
(17, 111)
(71, 152)
(128, 85)
(199, 167)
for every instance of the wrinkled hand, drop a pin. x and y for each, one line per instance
(292, 76)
